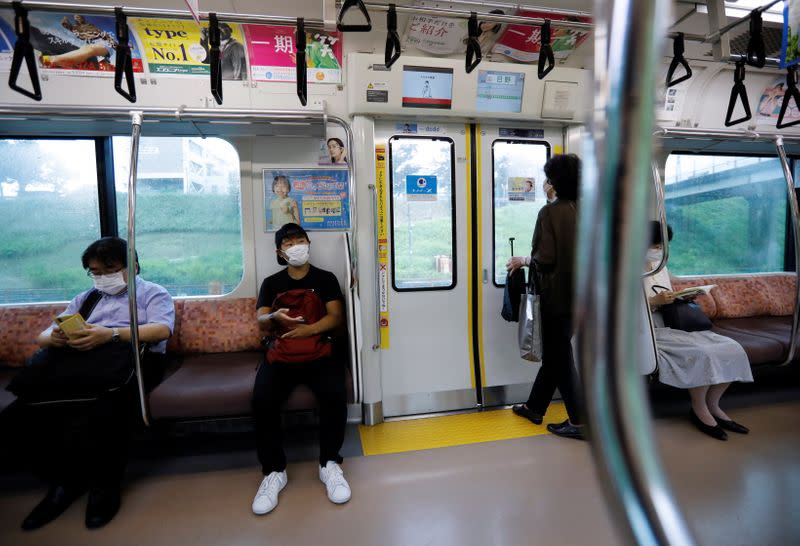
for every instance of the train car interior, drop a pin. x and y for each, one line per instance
(470, 207)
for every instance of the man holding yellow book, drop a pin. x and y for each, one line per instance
(86, 353)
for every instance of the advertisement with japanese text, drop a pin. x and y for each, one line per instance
(445, 36)
(314, 198)
(69, 43)
(273, 59)
(178, 47)
(522, 43)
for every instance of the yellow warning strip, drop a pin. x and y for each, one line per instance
(452, 430)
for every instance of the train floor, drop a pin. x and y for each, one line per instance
(526, 489)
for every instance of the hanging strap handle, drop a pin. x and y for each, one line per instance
(23, 49)
(392, 38)
(124, 58)
(739, 91)
(474, 54)
(547, 60)
(756, 50)
(300, 62)
(791, 93)
(678, 59)
(346, 5)
(215, 58)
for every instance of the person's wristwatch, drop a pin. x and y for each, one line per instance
(115, 335)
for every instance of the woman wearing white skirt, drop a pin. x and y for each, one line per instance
(703, 362)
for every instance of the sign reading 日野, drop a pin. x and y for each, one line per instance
(176, 47)
(68, 43)
(272, 51)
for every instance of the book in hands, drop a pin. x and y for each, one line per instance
(694, 291)
(71, 325)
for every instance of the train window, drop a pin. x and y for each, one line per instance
(422, 213)
(49, 207)
(189, 220)
(518, 177)
(728, 214)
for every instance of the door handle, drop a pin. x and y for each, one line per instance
(485, 276)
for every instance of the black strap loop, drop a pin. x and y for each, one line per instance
(124, 61)
(474, 54)
(346, 5)
(392, 38)
(302, 69)
(214, 56)
(756, 50)
(739, 91)
(791, 93)
(23, 49)
(547, 60)
(678, 59)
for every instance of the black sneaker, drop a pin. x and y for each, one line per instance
(522, 411)
(567, 430)
(58, 499)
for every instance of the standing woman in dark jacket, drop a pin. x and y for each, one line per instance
(553, 256)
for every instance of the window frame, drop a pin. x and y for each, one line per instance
(539, 142)
(788, 246)
(453, 202)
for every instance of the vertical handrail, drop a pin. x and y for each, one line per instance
(661, 205)
(376, 346)
(136, 122)
(614, 198)
(795, 214)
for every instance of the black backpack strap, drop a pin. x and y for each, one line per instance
(89, 303)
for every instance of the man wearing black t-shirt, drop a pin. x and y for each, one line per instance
(275, 381)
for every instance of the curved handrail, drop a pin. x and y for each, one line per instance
(136, 122)
(795, 215)
(661, 204)
(611, 241)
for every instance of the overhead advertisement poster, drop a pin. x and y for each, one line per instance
(7, 41)
(522, 43)
(500, 91)
(314, 198)
(69, 43)
(179, 48)
(445, 35)
(272, 54)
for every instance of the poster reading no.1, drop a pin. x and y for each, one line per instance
(314, 198)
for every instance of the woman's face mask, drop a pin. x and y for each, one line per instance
(654, 254)
(297, 255)
(111, 284)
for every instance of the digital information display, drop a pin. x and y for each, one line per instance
(500, 91)
(427, 87)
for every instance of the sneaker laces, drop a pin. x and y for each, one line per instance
(270, 485)
(335, 477)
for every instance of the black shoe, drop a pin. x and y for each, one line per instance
(522, 411)
(715, 431)
(55, 503)
(567, 430)
(103, 505)
(733, 426)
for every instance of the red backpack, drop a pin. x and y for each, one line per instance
(305, 303)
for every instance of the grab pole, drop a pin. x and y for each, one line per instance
(795, 215)
(611, 243)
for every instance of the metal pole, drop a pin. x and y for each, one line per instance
(661, 205)
(723, 134)
(136, 121)
(93, 9)
(611, 253)
(795, 213)
(159, 113)
(715, 36)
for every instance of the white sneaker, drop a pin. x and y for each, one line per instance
(267, 495)
(332, 476)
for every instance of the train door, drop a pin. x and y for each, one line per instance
(427, 363)
(510, 190)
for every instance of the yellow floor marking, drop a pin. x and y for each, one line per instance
(453, 430)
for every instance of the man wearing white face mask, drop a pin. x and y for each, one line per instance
(297, 308)
(97, 361)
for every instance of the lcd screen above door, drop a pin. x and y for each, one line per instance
(427, 87)
(500, 91)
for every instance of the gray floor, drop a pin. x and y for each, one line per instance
(538, 490)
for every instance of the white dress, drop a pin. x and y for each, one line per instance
(694, 359)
